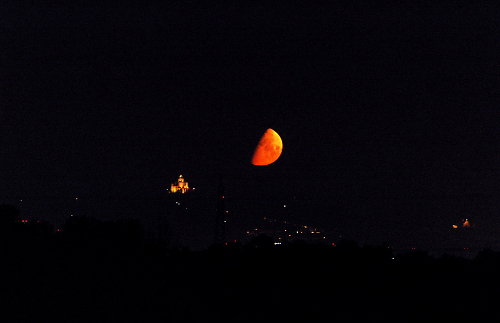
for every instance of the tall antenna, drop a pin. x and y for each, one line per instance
(220, 216)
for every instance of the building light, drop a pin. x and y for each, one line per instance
(179, 186)
(277, 243)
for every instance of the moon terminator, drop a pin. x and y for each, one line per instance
(269, 149)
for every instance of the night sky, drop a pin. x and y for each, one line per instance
(388, 114)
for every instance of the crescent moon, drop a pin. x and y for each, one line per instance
(269, 149)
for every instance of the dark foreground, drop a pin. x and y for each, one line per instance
(106, 272)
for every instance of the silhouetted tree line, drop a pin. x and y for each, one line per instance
(105, 271)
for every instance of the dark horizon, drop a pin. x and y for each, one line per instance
(105, 270)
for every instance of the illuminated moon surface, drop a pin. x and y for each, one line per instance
(268, 150)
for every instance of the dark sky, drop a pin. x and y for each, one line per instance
(388, 113)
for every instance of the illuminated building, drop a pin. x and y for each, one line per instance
(179, 186)
(465, 224)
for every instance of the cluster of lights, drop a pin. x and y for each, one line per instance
(304, 229)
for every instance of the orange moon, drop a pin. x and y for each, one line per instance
(269, 149)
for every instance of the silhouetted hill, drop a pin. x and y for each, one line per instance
(104, 271)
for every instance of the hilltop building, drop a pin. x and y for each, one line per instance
(179, 186)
